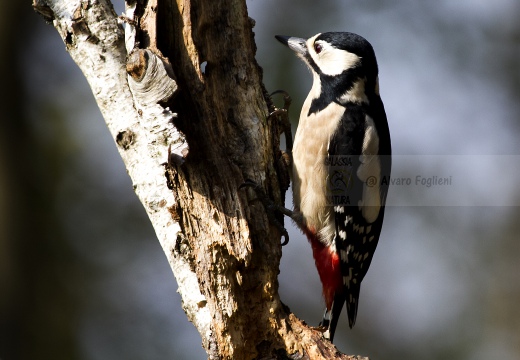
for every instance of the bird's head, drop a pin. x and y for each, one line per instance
(343, 64)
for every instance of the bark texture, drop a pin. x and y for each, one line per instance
(223, 114)
(187, 166)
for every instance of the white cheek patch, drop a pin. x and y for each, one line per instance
(369, 172)
(334, 61)
(330, 60)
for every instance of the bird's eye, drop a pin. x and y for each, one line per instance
(318, 48)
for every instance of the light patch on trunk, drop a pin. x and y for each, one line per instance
(369, 172)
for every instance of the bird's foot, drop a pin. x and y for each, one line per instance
(283, 159)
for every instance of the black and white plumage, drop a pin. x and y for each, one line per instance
(341, 164)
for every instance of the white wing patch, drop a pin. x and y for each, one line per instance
(369, 172)
(356, 94)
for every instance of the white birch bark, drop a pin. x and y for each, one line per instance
(142, 129)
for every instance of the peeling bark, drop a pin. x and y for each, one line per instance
(222, 250)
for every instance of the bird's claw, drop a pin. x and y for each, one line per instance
(286, 98)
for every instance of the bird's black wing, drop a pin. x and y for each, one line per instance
(354, 180)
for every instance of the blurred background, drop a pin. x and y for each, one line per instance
(82, 275)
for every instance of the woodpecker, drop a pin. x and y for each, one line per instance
(341, 161)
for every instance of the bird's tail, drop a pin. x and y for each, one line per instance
(352, 303)
(331, 317)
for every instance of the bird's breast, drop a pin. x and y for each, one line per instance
(310, 173)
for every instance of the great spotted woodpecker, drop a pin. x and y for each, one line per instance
(341, 161)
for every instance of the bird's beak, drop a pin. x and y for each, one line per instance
(298, 45)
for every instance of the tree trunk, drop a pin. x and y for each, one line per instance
(187, 166)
